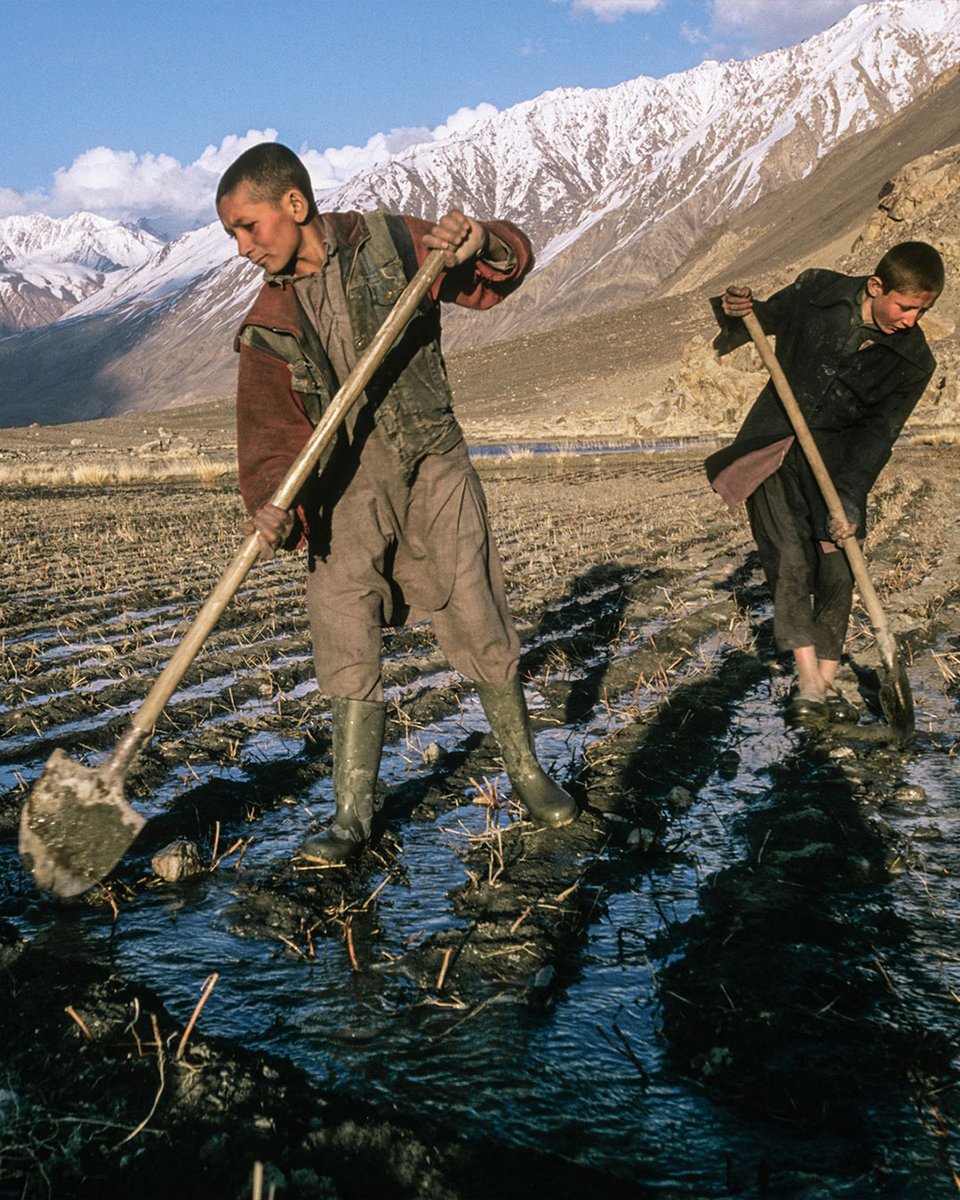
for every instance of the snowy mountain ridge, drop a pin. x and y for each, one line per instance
(48, 265)
(615, 186)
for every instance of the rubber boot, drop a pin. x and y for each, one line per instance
(357, 745)
(506, 710)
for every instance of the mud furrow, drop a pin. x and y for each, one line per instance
(745, 918)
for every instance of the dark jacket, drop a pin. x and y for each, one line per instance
(285, 380)
(855, 401)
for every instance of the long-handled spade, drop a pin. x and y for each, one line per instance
(76, 824)
(896, 699)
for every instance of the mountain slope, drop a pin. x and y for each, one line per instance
(616, 187)
(47, 266)
(648, 370)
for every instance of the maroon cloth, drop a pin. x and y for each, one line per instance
(744, 475)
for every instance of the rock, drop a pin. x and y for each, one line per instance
(679, 799)
(544, 978)
(910, 794)
(728, 764)
(641, 839)
(179, 860)
(716, 1060)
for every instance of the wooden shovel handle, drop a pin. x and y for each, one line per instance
(145, 718)
(851, 546)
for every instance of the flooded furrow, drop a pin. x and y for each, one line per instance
(739, 960)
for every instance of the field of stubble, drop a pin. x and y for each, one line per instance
(779, 992)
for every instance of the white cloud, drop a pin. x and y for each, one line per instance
(613, 10)
(11, 203)
(692, 34)
(126, 186)
(772, 23)
(330, 168)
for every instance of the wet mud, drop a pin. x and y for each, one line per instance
(736, 974)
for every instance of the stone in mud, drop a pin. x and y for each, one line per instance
(433, 754)
(910, 794)
(641, 839)
(679, 799)
(714, 1061)
(927, 833)
(179, 860)
(544, 978)
(728, 764)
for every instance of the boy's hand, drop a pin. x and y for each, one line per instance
(737, 301)
(458, 236)
(273, 526)
(839, 530)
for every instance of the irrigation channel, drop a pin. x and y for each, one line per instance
(737, 974)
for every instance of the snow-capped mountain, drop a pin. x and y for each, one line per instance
(615, 187)
(47, 266)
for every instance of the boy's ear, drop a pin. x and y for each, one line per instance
(874, 286)
(297, 205)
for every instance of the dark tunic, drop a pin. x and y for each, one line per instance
(855, 386)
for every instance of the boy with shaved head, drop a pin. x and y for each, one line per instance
(394, 521)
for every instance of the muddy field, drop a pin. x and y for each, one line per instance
(737, 974)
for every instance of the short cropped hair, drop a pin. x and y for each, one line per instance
(911, 267)
(270, 170)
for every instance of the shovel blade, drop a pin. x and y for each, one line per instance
(896, 699)
(75, 826)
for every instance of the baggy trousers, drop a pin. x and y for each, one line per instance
(812, 588)
(399, 552)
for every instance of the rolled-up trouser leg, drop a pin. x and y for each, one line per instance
(812, 587)
(788, 553)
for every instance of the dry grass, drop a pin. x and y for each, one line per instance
(949, 435)
(101, 472)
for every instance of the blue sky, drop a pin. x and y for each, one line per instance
(131, 107)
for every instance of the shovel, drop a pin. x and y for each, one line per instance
(76, 824)
(896, 699)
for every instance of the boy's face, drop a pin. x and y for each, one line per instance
(267, 233)
(893, 310)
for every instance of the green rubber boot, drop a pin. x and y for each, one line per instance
(357, 745)
(506, 710)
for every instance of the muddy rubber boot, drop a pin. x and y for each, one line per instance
(357, 745)
(506, 710)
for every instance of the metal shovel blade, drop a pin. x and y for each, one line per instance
(896, 698)
(75, 826)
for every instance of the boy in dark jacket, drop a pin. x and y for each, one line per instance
(858, 362)
(394, 522)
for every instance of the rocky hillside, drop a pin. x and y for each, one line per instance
(649, 370)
